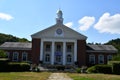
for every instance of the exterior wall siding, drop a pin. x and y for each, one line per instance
(81, 52)
(36, 50)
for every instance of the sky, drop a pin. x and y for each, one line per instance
(99, 20)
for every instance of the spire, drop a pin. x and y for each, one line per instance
(59, 19)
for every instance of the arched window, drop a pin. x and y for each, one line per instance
(24, 56)
(101, 59)
(92, 59)
(69, 58)
(47, 58)
(15, 56)
(109, 57)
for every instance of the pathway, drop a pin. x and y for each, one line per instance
(59, 76)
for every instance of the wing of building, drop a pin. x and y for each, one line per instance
(59, 45)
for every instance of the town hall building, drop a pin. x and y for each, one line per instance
(59, 45)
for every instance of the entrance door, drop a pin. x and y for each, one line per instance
(58, 59)
(58, 54)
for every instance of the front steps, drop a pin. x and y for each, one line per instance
(56, 68)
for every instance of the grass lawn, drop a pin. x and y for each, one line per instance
(76, 76)
(24, 75)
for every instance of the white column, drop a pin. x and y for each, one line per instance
(41, 51)
(52, 55)
(64, 53)
(75, 51)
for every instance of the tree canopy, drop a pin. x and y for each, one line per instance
(115, 43)
(10, 38)
(2, 54)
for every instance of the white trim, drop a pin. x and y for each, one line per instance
(26, 55)
(102, 59)
(59, 40)
(14, 56)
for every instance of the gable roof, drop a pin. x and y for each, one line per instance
(101, 48)
(16, 46)
(68, 33)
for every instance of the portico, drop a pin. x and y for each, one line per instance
(59, 45)
(58, 51)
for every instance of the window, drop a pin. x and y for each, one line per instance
(47, 58)
(47, 47)
(69, 58)
(69, 48)
(58, 48)
(92, 59)
(101, 59)
(7, 54)
(24, 56)
(15, 56)
(109, 57)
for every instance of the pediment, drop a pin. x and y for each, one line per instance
(59, 31)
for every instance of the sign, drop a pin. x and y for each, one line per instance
(58, 53)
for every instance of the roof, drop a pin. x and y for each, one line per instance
(101, 48)
(68, 33)
(16, 46)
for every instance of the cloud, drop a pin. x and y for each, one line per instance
(5, 16)
(86, 22)
(108, 23)
(69, 24)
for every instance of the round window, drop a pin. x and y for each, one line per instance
(59, 31)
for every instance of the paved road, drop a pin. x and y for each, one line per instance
(59, 76)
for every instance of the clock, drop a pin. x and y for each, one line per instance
(59, 31)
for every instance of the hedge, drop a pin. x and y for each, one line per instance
(60, 67)
(115, 66)
(78, 70)
(106, 69)
(18, 66)
(14, 67)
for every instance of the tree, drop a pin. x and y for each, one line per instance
(3, 54)
(116, 57)
(11, 38)
(115, 43)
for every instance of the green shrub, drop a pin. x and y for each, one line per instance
(14, 67)
(92, 69)
(3, 64)
(3, 54)
(60, 67)
(116, 68)
(19, 66)
(106, 69)
(112, 62)
(78, 70)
